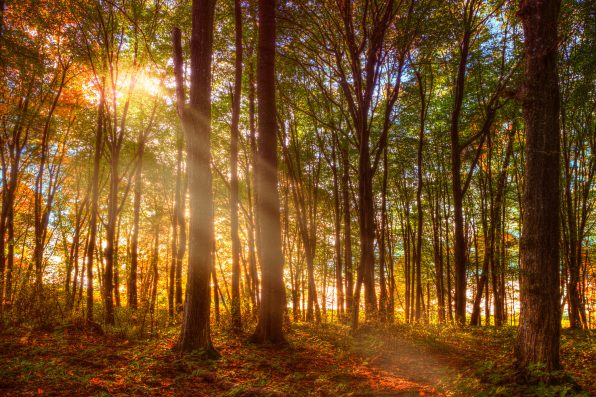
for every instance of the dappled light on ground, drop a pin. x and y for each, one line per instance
(320, 360)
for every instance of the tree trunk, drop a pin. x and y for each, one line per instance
(196, 327)
(458, 218)
(235, 304)
(111, 234)
(339, 283)
(252, 230)
(174, 248)
(540, 312)
(94, 206)
(134, 257)
(419, 212)
(383, 313)
(345, 182)
(178, 221)
(154, 271)
(271, 313)
(182, 242)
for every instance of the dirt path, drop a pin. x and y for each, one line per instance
(407, 369)
(402, 367)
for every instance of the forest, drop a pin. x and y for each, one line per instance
(297, 197)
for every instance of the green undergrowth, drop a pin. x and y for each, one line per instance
(319, 360)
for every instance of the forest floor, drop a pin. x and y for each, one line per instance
(323, 360)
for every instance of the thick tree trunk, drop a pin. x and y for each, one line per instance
(273, 300)
(540, 311)
(196, 326)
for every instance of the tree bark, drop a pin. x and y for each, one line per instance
(419, 211)
(339, 283)
(134, 257)
(178, 221)
(271, 312)
(94, 206)
(235, 304)
(196, 325)
(458, 218)
(347, 217)
(540, 312)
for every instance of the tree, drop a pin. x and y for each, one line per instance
(94, 205)
(236, 316)
(273, 299)
(540, 312)
(196, 328)
(134, 257)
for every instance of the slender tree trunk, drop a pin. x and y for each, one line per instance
(174, 248)
(182, 243)
(134, 257)
(345, 181)
(540, 316)
(448, 256)
(94, 206)
(419, 211)
(438, 256)
(15, 148)
(457, 188)
(391, 273)
(236, 316)
(110, 251)
(383, 241)
(154, 270)
(179, 223)
(575, 210)
(339, 283)
(252, 198)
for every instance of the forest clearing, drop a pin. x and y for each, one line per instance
(297, 197)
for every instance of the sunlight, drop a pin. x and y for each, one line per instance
(145, 83)
(148, 83)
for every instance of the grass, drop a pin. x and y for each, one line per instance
(320, 360)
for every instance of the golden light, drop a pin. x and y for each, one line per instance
(145, 83)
